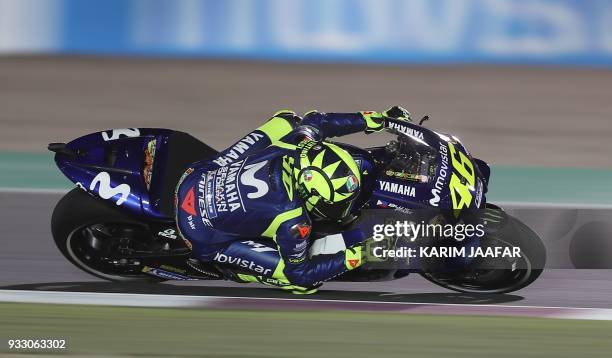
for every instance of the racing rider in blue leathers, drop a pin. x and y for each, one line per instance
(249, 210)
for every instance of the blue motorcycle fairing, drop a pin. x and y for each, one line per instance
(111, 165)
(435, 191)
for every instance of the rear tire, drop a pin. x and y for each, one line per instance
(75, 214)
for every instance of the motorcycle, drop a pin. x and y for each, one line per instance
(118, 223)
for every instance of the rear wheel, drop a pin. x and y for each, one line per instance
(499, 274)
(102, 241)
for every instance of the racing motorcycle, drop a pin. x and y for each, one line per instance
(118, 223)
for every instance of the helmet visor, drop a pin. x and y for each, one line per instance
(332, 211)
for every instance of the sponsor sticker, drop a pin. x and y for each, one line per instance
(106, 191)
(296, 261)
(168, 233)
(148, 163)
(301, 246)
(188, 204)
(442, 175)
(258, 247)
(223, 190)
(307, 175)
(166, 274)
(404, 129)
(247, 178)
(225, 196)
(202, 200)
(192, 225)
(301, 230)
(117, 133)
(396, 188)
(239, 148)
(407, 176)
(351, 183)
(390, 205)
(240, 262)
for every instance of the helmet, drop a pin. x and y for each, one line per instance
(328, 179)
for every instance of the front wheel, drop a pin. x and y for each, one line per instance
(102, 241)
(499, 275)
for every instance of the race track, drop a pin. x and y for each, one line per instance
(551, 117)
(29, 260)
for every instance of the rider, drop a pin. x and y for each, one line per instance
(249, 210)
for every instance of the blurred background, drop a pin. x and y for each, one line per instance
(510, 31)
(522, 82)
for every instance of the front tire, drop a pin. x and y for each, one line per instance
(481, 277)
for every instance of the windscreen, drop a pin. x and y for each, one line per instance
(411, 160)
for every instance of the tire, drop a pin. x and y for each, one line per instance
(512, 233)
(76, 212)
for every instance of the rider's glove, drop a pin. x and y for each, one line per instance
(353, 257)
(397, 112)
(375, 121)
(363, 253)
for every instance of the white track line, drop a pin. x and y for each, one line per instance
(591, 315)
(104, 299)
(146, 300)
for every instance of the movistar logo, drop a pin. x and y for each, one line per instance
(106, 191)
(437, 190)
(248, 178)
(239, 262)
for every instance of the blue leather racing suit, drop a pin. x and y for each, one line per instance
(240, 209)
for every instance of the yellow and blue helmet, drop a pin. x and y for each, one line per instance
(328, 179)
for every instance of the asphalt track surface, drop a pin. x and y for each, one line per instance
(29, 260)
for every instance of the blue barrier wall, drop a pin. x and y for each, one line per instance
(516, 31)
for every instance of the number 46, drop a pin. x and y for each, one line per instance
(460, 189)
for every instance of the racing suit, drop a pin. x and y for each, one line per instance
(240, 209)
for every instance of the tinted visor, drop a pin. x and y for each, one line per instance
(333, 211)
